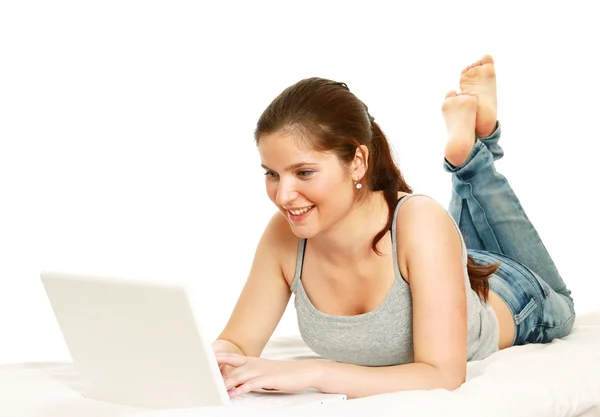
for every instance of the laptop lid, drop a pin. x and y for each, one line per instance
(135, 343)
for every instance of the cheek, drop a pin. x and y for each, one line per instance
(323, 192)
(332, 195)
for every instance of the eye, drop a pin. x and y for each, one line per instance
(305, 173)
(271, 175)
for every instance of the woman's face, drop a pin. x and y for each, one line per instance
(312, 189)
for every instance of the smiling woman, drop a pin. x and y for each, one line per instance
(391, 289)
(321, 122)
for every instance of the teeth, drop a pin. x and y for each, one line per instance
(299, 212)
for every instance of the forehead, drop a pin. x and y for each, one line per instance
(282, 149)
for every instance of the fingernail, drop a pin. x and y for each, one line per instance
(231, 392)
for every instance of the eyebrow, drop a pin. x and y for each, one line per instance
(293, 166)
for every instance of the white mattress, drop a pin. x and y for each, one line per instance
(558, 379)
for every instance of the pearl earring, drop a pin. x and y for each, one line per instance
(358, 185)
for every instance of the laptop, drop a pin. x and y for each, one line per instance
(140, 344)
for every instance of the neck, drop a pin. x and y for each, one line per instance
(350, 240)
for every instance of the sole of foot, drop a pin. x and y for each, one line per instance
(480, 78)
(460, 113)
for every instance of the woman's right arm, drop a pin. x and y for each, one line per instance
(264, 297)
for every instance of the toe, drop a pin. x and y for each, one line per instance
(487, 59)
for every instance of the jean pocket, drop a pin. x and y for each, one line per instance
(526, 311)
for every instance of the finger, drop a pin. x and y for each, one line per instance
(227, 371)
(252, 385)
(231, 359)
(224, 369)
(223, 366)
(240, 378)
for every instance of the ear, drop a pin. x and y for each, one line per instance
(359, 165)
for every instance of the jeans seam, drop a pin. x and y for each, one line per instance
(525, 270)
(484, 216)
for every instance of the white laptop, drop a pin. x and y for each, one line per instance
(139, 344)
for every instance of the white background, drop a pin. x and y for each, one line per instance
(126, 128)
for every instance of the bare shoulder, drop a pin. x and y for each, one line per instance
(421, 207)
(422, 226)
(420, 201)
(284, 244)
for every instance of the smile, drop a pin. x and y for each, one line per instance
(301, 211)
(298, 215)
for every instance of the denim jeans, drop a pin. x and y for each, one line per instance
(496, 228)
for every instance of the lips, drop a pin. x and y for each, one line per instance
(300, 211)
(299, 214)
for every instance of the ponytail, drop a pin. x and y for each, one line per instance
(385, 176)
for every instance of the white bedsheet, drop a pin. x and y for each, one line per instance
(558, 379)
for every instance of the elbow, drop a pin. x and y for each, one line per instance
(452, 384)
(452, 380)
(450, 376)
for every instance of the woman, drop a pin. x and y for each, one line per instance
(385, 288)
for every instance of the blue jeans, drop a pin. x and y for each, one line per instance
(496, 228)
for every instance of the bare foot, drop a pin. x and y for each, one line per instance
(480, 78)
(460, 113)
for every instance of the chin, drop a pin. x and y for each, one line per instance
(305, 229)
(302, 233)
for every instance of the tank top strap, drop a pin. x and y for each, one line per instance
(394, 237)
(302, 248)
(401, 201)
(299, 264)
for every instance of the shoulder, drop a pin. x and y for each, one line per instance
(425, 232)
(419, 203)
(419, 216)
(282, 243)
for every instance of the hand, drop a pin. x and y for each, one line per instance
(220, 347)
(249, 374)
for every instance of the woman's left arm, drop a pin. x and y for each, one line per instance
(432, 250)
(429, 245)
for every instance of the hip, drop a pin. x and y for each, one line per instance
(527, 308)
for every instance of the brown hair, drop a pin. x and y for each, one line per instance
(330, 118)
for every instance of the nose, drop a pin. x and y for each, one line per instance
(286, 192)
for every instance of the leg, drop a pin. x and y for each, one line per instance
(483, 203)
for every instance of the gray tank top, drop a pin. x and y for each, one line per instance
(383, 336)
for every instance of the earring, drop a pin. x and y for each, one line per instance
(358, 185)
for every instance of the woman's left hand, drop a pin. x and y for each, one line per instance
(249, 374)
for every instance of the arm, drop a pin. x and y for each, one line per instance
(431, 249)
(263, 299)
